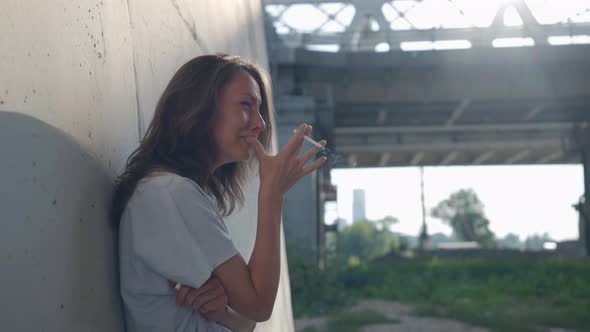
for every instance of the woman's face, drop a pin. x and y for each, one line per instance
(238, 117)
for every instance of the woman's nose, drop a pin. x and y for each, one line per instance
(257, 123)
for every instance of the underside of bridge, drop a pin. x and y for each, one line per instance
(461, 107)
(433, 82)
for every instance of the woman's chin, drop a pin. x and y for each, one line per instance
(245, 154)
(248, 155)
(251, 154)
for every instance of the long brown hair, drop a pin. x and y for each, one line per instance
(179, 137)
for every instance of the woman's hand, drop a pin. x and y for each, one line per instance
(280, 172)
(209, 299)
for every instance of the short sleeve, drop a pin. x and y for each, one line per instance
(177, 232)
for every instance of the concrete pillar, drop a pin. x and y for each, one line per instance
(584, 208)
(582, 136)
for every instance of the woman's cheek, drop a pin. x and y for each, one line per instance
(245, 117)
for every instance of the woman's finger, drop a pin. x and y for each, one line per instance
(306, 132)
(207, 297)
(312, 152)
(258, 148)
(209, 286)
(315, 165)
(207, 290)
(215, 304)
(181, 295)
(296, 140)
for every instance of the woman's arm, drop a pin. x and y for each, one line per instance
(234, 321)
(211, 301)
(251, 288)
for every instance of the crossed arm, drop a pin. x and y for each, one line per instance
(249, 288)
(211, 301)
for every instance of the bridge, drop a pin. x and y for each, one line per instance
(427, 83)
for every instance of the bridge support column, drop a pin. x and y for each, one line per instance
(583, 207)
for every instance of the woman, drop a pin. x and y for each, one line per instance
(187, 173)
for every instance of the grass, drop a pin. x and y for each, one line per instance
(508, 294)
(352, 321)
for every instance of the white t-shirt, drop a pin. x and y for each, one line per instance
(170, 230)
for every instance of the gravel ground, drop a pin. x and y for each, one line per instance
(408, 321)
(401, 312)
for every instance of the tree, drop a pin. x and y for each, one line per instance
(510, 241)
(364, 240)
(463, 211)
(387, 222)
(536, 241)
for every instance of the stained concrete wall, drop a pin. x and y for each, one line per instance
(78, 84)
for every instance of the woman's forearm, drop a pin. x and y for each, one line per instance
(236, 322)
(252, 287)
(265, 262)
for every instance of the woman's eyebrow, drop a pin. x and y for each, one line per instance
(253, 97)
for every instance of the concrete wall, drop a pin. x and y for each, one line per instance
(78, 84)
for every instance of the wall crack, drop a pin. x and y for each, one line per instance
(190, 27)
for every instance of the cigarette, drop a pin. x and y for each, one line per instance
(310, 140)
(177, 286)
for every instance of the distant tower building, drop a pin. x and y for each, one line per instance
(358, 205)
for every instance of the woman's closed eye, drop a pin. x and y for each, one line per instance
(246, 104)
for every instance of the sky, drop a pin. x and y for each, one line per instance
(523, 200)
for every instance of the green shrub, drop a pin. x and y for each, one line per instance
(509, 294)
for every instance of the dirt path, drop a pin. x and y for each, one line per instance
(401, 312)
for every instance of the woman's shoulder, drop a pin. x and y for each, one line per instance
(159, 187)
(157, 179)
(166, 181)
